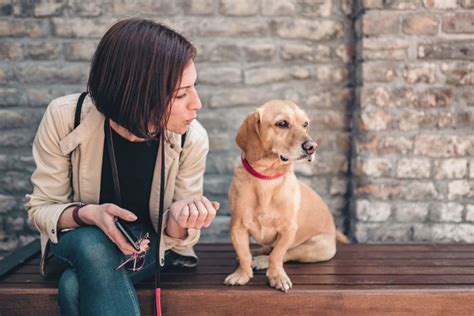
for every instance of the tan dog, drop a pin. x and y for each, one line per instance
(268, 202)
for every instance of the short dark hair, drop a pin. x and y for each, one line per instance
(136, 68)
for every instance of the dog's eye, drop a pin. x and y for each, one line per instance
(305, 124)
(282, 124)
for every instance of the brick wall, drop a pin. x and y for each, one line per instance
(386, 84)
(414, 124)
(248, 52)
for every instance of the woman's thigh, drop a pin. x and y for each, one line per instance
(86, 246)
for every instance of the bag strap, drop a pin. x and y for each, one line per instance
(77, 116)
(77, 121)
(113, 162)
(183, 140)
(157, 305)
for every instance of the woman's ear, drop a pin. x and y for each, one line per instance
(248, 137)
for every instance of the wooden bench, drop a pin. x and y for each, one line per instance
(363, 279)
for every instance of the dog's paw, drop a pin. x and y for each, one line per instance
(239, 277)
(280, 281)
(260, 262)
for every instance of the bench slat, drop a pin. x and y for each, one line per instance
(408, 247)
(216, 280)
(247, 302)
(310, 269)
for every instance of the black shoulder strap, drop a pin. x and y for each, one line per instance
(77, 120)
(77, 116)
(183, 139)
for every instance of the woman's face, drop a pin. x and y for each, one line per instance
(185, 104)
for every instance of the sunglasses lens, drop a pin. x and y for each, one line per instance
(136, 264)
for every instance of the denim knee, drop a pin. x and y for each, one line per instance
(88, 247)
(68, 293)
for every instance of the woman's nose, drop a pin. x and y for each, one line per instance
(195, 103)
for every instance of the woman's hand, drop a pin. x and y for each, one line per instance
(190, 213)
(103, 216)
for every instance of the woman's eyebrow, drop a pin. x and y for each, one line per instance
(185, 87)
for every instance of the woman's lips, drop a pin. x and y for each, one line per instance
(190, 120)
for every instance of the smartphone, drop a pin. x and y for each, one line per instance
(127, 232)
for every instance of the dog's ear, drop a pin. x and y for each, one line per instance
(248, 137)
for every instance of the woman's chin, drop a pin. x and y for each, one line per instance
(179, 130)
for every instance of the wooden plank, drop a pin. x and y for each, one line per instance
(307, 269)
(358, 262)
(417, 247)
(238, 301)
(39, 288)
(168, 279)
(365, 251)
(362, 255)
(310, 303)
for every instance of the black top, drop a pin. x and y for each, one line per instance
(136, 165)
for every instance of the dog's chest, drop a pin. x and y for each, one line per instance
(263, 227)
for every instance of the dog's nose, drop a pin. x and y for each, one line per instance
(309, 147)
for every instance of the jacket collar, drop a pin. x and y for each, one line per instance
(92, 119)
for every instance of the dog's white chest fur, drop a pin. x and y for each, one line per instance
(263, 228)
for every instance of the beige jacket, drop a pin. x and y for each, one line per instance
(52, 193)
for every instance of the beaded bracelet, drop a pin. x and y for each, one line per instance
(75, 216)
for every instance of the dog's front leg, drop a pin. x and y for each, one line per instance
(240, 240)
(276, 275)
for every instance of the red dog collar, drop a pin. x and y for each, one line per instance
(255, 173)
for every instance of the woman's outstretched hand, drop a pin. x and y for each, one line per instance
(190, 213)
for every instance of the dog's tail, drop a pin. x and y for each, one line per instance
(341, 237)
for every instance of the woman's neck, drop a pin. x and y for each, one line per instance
(125, 133)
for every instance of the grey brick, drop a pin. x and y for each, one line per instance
(278, 8)
(315, 30)
(238, 8)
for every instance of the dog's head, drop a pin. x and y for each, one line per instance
(278, 127)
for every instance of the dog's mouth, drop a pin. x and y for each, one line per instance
(304, 156)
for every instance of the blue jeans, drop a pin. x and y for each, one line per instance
(91, 285)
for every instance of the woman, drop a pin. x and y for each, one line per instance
(141, 87)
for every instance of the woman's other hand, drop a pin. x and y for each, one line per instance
(190, 213)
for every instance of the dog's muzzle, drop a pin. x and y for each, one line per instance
(309, 147)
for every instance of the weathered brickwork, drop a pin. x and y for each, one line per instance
(248, 52)
(415, 122)
(388, 86)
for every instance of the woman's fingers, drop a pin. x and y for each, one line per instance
(203, 212)
(216, 205)
(193, 215)
(211, 212)
(196, 213)
(117, 237)
(144, 245)
(183, 217)
(121, 212)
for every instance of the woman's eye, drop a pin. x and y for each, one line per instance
(282, 124)
(305, 124)
(181, 96)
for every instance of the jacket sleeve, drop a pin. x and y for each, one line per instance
(51, 178)
(189, 183)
